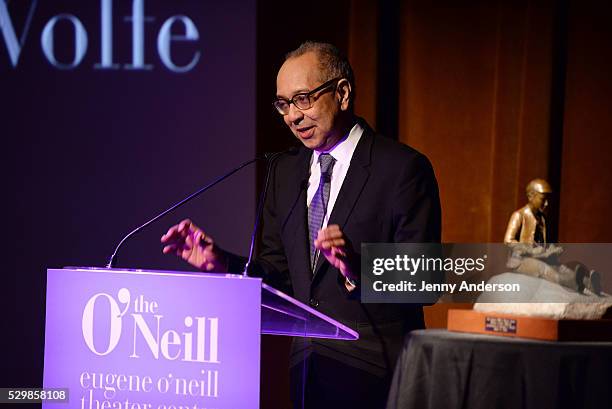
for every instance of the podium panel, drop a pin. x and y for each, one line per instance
(165, 339)
(152, 339)
(283, 315)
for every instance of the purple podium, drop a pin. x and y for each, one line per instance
(141, 339)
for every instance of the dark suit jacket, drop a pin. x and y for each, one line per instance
(389, 195)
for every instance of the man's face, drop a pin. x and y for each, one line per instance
(317, 127)
(538, 201)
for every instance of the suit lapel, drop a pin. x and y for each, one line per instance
(352, 186)
(295, 224)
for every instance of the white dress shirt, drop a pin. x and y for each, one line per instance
(342, 152)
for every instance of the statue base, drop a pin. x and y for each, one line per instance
(510, 325)
(546, 311)
(541, 298)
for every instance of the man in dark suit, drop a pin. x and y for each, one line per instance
(345, 186)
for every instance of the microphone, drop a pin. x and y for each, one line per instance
(262, 198)
(112, 262)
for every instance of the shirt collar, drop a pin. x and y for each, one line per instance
(343, 151)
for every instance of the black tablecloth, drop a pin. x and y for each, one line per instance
(445, 370)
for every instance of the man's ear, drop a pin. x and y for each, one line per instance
(345, 93)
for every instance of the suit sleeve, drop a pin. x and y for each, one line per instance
(417, 213)
(416, 204)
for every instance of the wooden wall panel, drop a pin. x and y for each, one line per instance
(521, 131)
(362, 52)
(474, 89)
(586, 172)
(447, 72)
(475, 86)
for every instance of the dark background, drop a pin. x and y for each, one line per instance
(89, 154)
(495, 93)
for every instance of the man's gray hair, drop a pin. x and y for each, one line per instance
(332, 62)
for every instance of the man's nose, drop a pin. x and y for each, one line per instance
(295, 115)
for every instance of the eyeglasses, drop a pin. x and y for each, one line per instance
(302, 101)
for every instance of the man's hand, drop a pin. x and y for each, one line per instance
(190, 243)
(336, 248)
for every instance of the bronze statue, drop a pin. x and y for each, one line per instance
(531, 255)
(528, 223)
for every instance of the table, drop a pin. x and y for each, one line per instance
(442, 369)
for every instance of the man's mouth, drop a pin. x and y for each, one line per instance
(305, 132)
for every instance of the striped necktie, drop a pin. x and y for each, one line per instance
(318, 206)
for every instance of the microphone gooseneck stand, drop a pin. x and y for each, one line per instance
(112, 262)
(269, 157)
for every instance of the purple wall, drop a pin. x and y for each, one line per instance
(88, 154)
